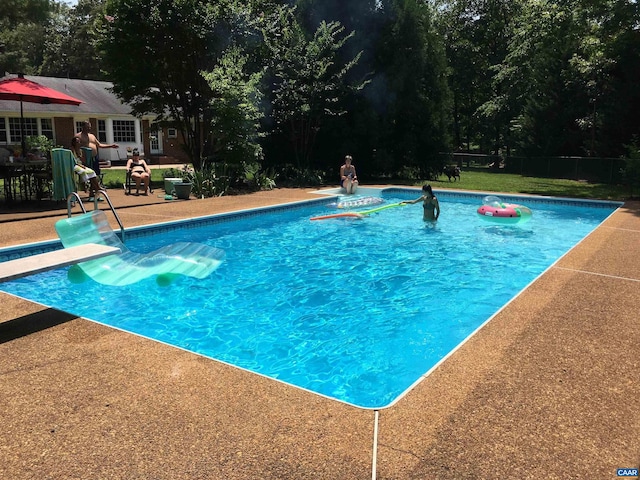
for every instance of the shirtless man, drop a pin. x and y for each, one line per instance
(88, 139)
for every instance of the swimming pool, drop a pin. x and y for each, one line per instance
(354, 309)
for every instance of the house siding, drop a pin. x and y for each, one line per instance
(98, 104)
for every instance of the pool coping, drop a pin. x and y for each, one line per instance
(545, 386)
(7, 253)
(44, 248)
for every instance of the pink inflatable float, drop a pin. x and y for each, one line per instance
(494, 210)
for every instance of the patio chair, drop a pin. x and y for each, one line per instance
(10, 179)
(43, 182)
(130, 183)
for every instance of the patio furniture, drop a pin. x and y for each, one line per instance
(18, 177)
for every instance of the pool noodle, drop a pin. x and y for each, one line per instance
(374, 210)
(184, 258)
(338, 215)
(357, 214)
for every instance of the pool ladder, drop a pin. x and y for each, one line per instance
(73, 197)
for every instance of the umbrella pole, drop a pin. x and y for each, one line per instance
(24, 140)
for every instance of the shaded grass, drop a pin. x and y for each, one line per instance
(485, 181)
(514, 183)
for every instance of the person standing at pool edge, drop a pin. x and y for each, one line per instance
(86, 174)
(88, 139)
(430, 207)
(348, 177)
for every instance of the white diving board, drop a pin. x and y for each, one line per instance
(23, 267)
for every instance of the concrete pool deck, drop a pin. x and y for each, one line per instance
(547, 389)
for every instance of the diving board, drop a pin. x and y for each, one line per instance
(42, 262)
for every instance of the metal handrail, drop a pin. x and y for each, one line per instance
(115, 214)
(70, 201)
(72, 195)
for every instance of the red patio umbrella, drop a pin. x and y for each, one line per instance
(23, 90)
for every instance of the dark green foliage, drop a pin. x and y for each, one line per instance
(631, 170)
(70, 47)
(307, 80)
(512, 77)
(157, 52)
(22, 34)
(236, 110)
(412, 74)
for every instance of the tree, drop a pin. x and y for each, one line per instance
(308, 80)
(70, 47)
(157, 52)
(411, 59)
(236, 107)
(467, 69)
(22, 27)
(605, 60)
(569, 68)
(542, 42)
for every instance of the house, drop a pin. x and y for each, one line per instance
(111, 120)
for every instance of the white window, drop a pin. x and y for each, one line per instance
(30, 128)
(124, 131)
(46, 128)
(102, 131)
(10, 130)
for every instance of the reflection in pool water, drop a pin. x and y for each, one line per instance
(354, 309)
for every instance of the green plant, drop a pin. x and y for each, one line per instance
(631, 170)
(257, 179)
(39, 143)
(185, 173)
(210, 181)
(292, 176)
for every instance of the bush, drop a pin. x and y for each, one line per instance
(292, 176)
(631, 170)
(39, 143)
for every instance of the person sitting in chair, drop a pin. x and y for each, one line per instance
(139, 171)
(85, 173)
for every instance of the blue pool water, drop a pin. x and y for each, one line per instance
(354, 309)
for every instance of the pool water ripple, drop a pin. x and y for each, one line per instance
(355, 309)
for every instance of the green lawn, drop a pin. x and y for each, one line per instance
(513, 183)
(470, 180)
(115, 177)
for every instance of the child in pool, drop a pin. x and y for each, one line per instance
(430, 205)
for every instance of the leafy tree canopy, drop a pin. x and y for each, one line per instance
(22, 26)
(308, 79)
(156, 53)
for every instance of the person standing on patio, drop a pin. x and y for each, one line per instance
(85, 173)
(88, 139)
